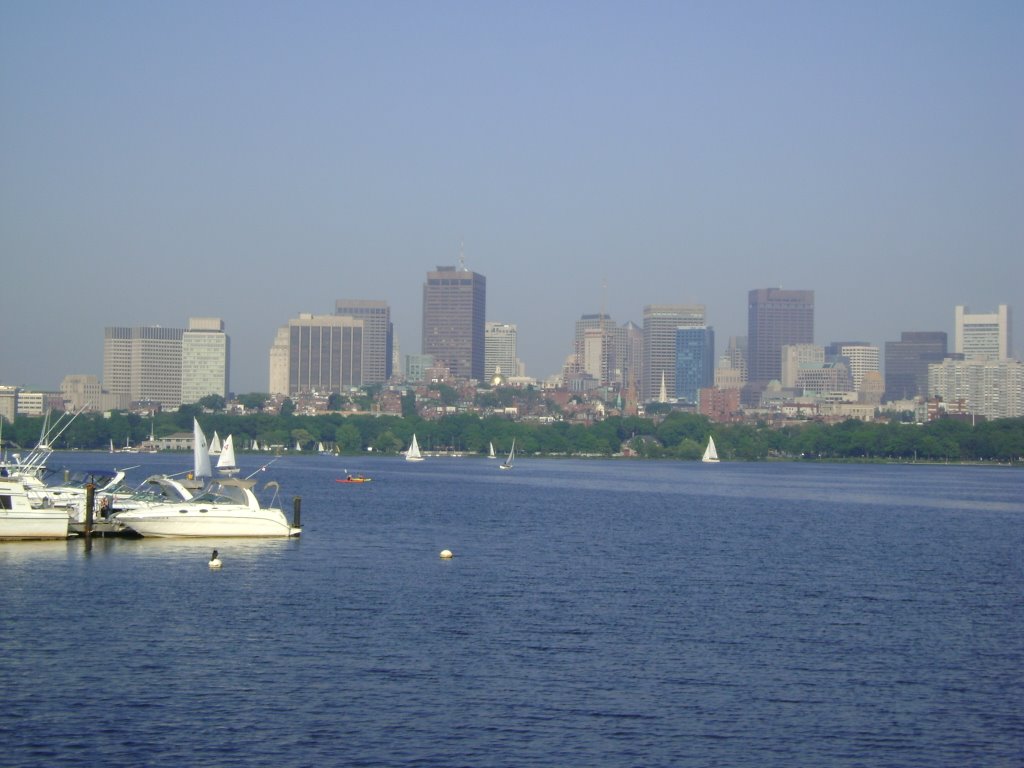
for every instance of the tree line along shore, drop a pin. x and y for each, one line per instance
(675, 436)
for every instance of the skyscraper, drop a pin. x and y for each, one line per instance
(695, 361)
(776, 317)
(982, 336)
(378, 336)
(143, 363)
(661, 321)
(907, 360)
(317, 353)
(500, 350)
(454, 311)
(205, 359)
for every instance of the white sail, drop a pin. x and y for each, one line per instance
(255, 445)
(413, 454)
(200, 452)
(507, 464)
(215, 446)
(490, 452)
(710, 453)
(226, 462)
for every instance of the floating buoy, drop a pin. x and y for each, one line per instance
(446, 554)
(215, 560)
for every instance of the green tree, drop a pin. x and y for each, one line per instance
(213, 402)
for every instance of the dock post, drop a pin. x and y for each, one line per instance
(90, 498)
(297, 512)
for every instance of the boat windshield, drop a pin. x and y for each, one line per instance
(222, 494)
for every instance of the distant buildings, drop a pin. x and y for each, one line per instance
(775, 317)
(990, 388)
(378, 336)
(907, 361)
(454, 317)
(500, 350)
(982, 336)
(317, 353)
(661, 322)
(205, 359)
(695, 361)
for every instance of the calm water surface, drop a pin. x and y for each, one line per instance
(597, 613)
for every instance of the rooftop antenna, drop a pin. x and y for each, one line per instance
(462, 258)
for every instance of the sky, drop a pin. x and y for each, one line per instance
(255, 160)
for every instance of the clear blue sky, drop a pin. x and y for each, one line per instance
(250, 160)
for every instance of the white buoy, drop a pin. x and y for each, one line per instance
(446, 554)
(215, 560)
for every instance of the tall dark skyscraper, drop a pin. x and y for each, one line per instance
(776, 317)
(907, 360)
(454, 312)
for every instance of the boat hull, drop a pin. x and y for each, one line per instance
(207, 524)
(35, 524)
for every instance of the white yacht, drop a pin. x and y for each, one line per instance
(229, 507)
(19, 519)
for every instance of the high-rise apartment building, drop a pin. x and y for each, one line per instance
(143, 363)
(454, 311)
(661, 322)
(317, 353)
(205, 359)
(982, 336)
(695, 361)
(500, 350)
(907, 361)
(776, 317)
(378, 336)
(990, 388)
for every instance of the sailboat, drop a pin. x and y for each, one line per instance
(413, 454)
(226, 463)
(710, 453)
(507, 463)
(215, 444)
(490, 453)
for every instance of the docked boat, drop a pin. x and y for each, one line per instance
(19, 519)
(413, 454)
(229, 507)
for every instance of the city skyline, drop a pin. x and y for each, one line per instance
(158, 164)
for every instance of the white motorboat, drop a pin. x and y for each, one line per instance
(19, 519)
(229, 507)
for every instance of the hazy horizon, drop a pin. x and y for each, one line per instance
(252, 162)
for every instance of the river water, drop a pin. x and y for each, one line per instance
(596, 613)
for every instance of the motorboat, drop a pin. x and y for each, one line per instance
(19, 519)
(228, 507)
